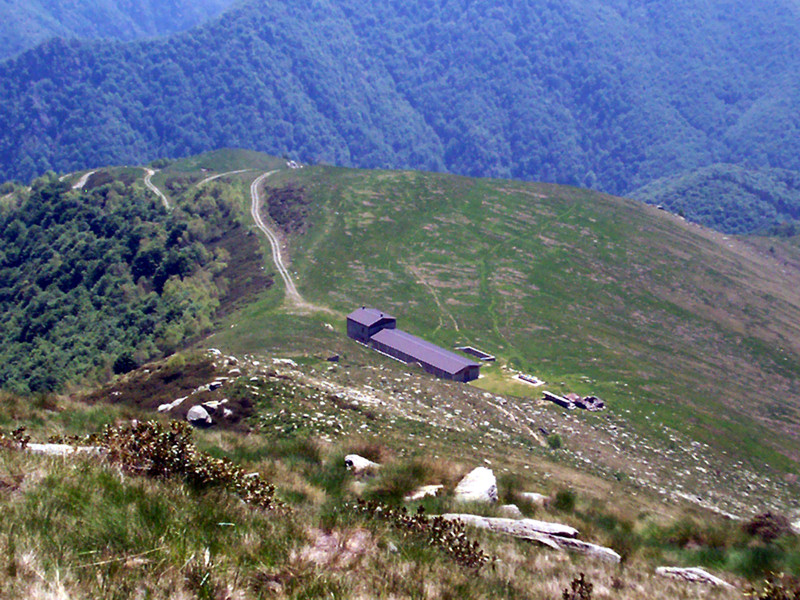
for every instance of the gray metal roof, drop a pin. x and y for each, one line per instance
(423, 351)
(368, 316)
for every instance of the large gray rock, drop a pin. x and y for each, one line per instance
(199, 416)
(552, 535)
(692, 574)
(515, 527)
(479, 485)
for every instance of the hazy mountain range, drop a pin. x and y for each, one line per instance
(609, 95)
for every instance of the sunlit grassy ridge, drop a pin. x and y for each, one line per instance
(680, 326)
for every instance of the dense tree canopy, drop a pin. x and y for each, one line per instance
(605, 94)
(26, 23)
(731, 199)
(102, 279)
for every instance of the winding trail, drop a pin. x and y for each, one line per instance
(213, 177)
(151, 186)
(292, 295)
(79, 185)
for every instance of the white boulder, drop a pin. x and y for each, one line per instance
(358, 464)
(479, 485)
(198, 415)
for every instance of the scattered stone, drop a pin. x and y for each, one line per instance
(512, 511)
(333, 358)
(391, 547)
(227, 413)
(692, 574)
(214, 351)
(199, 416)
(213, 405)
(235, 371)
(215, 385)
(479, 485)
(169, 406)
(534, 498)
(422, 492)
(284, 361)
(358, 464)
(63, 449)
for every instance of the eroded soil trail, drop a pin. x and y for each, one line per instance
(151, 186)
(293, 297)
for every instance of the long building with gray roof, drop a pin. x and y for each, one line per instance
(379, 331)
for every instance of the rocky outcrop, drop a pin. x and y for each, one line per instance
(515, 527)
(692, 574)
(552, 535)
(479, 485)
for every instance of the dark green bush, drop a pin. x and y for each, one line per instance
(448, 536)
(564, 500)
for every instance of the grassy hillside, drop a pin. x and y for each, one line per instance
(142, 522)
(678, 328)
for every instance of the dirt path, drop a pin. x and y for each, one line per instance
(213, 177)
(79, 185)
(151, 186)
(293, 297)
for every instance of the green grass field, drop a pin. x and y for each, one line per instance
(680, 326)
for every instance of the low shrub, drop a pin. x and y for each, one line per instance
(151, 449)
(777, 587)
(564, 500)
(767, 526)
(448, 536)
(579, 589)
(554, 441)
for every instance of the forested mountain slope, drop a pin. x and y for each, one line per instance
(26, 23)
(731, 199)
(104, 278)
(609, 95)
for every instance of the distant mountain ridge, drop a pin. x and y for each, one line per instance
(607, 95)
(26, 23)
